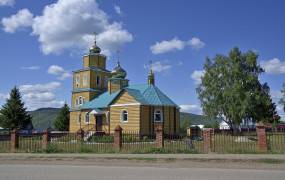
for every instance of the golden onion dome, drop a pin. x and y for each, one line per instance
(95, 49)
(118, 72)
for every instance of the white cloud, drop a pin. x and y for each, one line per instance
(159, 66)
(31, 68)
(180, 63)
(3, 96)
(167, 46)
(40, 95)
(196, 43)
(61, 73)
(197, 75)
(69, 24)
(23, 19)
(175, 44)
(7, 2)
(118, 10)
(195, 109)
(275, 94)
(274, 66)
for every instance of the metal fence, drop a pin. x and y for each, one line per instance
(72, 142)
(227, 142)
(30, 142)
(134, 142)
(183, 144)
(5, 142)
(276, 140)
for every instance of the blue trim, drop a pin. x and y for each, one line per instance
(92, 69)
(85, 90)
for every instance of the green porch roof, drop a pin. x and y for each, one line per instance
(145, 94)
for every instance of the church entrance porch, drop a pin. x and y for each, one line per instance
(98, 123)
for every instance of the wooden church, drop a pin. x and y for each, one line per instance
(103, 99)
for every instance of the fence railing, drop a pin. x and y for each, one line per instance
(214, 141)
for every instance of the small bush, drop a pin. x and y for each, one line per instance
(51, 148)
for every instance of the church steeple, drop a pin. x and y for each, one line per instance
(94, 49)
(150, 78)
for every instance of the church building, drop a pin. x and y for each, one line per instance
(103, 99)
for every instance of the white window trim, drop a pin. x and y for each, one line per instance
(130, 104)
(77, 80)
(82, 100)
(107, 117)
(121, 116)
(161, 115)
(85, 80)
(87, 115)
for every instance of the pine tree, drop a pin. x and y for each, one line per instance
(62, 120)
(13, 114)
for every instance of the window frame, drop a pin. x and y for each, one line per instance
(122, 116)
(98, 80)
(77, 80)
(160, 113)
(85, 80)
(82, 99)
(87, 118)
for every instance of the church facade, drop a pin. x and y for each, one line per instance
(103, 99)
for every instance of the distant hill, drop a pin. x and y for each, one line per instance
(44, 117)
(195, 119)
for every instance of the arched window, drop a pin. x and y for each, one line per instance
(77, 80)
(85, 80)
(87, 118)
(124, 116)
(80, 100)
(158, 116)
(98, 80)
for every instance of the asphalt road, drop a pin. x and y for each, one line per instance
(76, 172)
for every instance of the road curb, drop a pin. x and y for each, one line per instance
(196, 157)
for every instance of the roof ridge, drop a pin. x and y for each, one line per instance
(155, 89)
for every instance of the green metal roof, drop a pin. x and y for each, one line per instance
(101, 101)
(152, 95)
(144, 94)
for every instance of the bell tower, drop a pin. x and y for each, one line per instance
(150, 77)
(91, 80)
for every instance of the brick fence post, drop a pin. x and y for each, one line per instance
(14, 140)
(159, 136)
(261, 138)
(46, 139)
(207, 138)
(118, 138)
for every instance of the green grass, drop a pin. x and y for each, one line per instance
(272, 161)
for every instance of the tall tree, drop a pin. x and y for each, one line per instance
(230, 88)
(13, 113)
(262, 107)
(62, 120)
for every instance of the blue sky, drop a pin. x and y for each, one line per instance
(41, 42)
